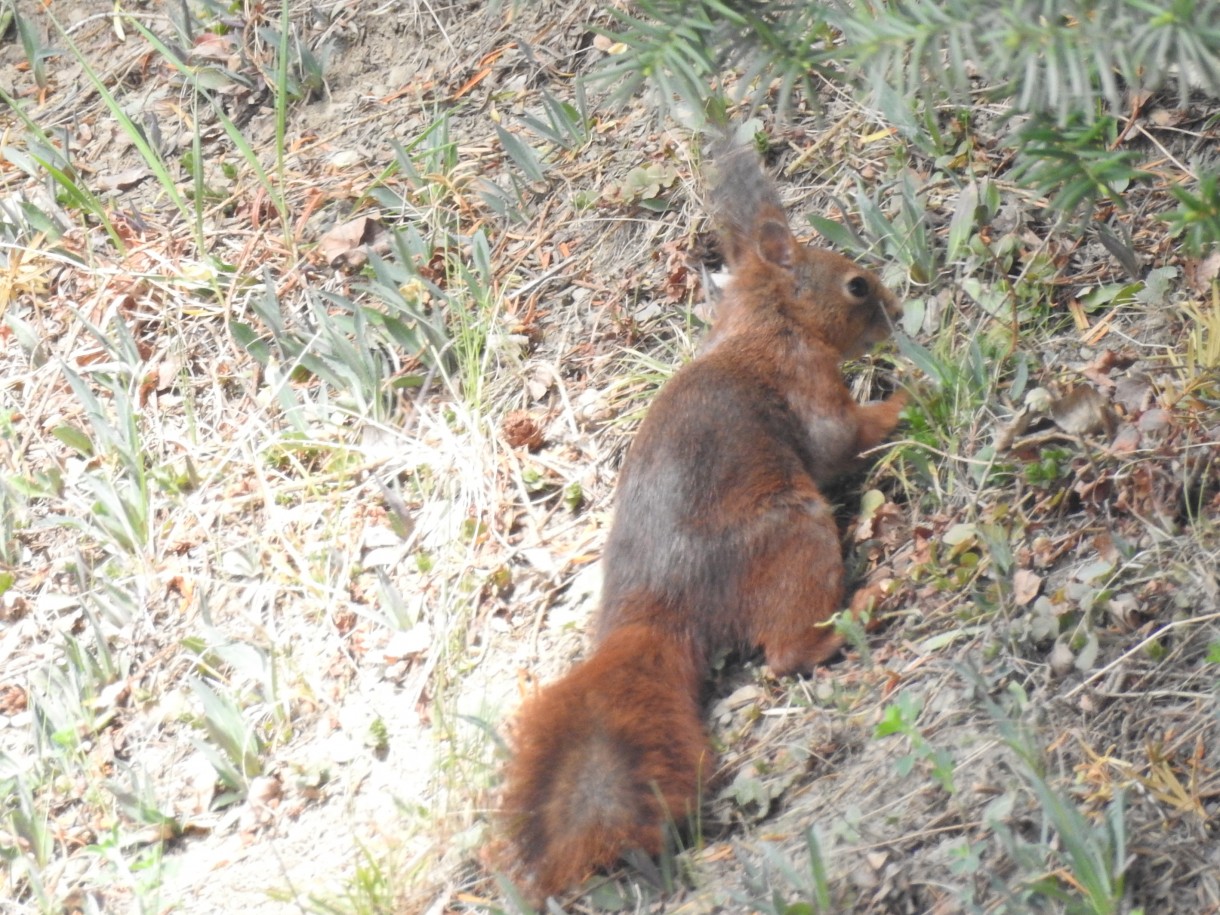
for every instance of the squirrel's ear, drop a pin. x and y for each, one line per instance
(775, 243)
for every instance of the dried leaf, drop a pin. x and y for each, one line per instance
(1200, 274)
(1126, 441)
(343, 242)
(167, 371)
(1154, 422)
(1008, 433)
(1124, 610)
(1061, 660)
(522, 431)
(1098, 371)
(1082, 410)
(870, 503)
(868, 598)
(1167, 117)
(1025, 586)
(13, 700)
(212, 46)
(1134, 392)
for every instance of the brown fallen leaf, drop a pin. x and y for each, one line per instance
(1124, 609)
(1134, 392)
(1008, 433)
(522, 431)
(262, 800)
(13, 700)
(1025, 586)
(344, 242)
(1200, 274)
(1098, 371)
(1082, 410)
(1126, 441)
(168, 370)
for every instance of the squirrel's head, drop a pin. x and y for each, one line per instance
(825, 295)
(847, 304)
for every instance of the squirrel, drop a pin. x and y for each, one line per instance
(721, 539)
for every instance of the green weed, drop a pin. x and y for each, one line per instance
(901, 717)
(778, 886)
(1197, 218)
(42, 155)
(1075, 861)
(234, 747)
(371, 889)
(1076, 164)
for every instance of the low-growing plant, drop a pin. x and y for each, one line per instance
(901, 717)
(36, 53)
(203, 97)
(1076, 861)
(941, 446)
(1202, 357)
(233, 745)
(1074, 164)
(779, 886)
(899, 237)
(565, 124)
(43, 156)
(370, 889)
(30, 843)
(1196, 220)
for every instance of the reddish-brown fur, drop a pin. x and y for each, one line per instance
(721, 539)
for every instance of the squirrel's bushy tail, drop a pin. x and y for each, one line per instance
(605, 758)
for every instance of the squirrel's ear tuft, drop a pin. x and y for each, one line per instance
(776, 244)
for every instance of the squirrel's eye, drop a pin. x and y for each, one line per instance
(858, 286)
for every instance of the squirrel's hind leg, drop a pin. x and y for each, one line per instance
(793, 588)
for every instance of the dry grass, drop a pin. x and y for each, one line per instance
(271, 580)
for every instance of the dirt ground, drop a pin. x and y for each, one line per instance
(1076, 621)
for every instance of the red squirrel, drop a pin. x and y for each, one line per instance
(721, 540)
